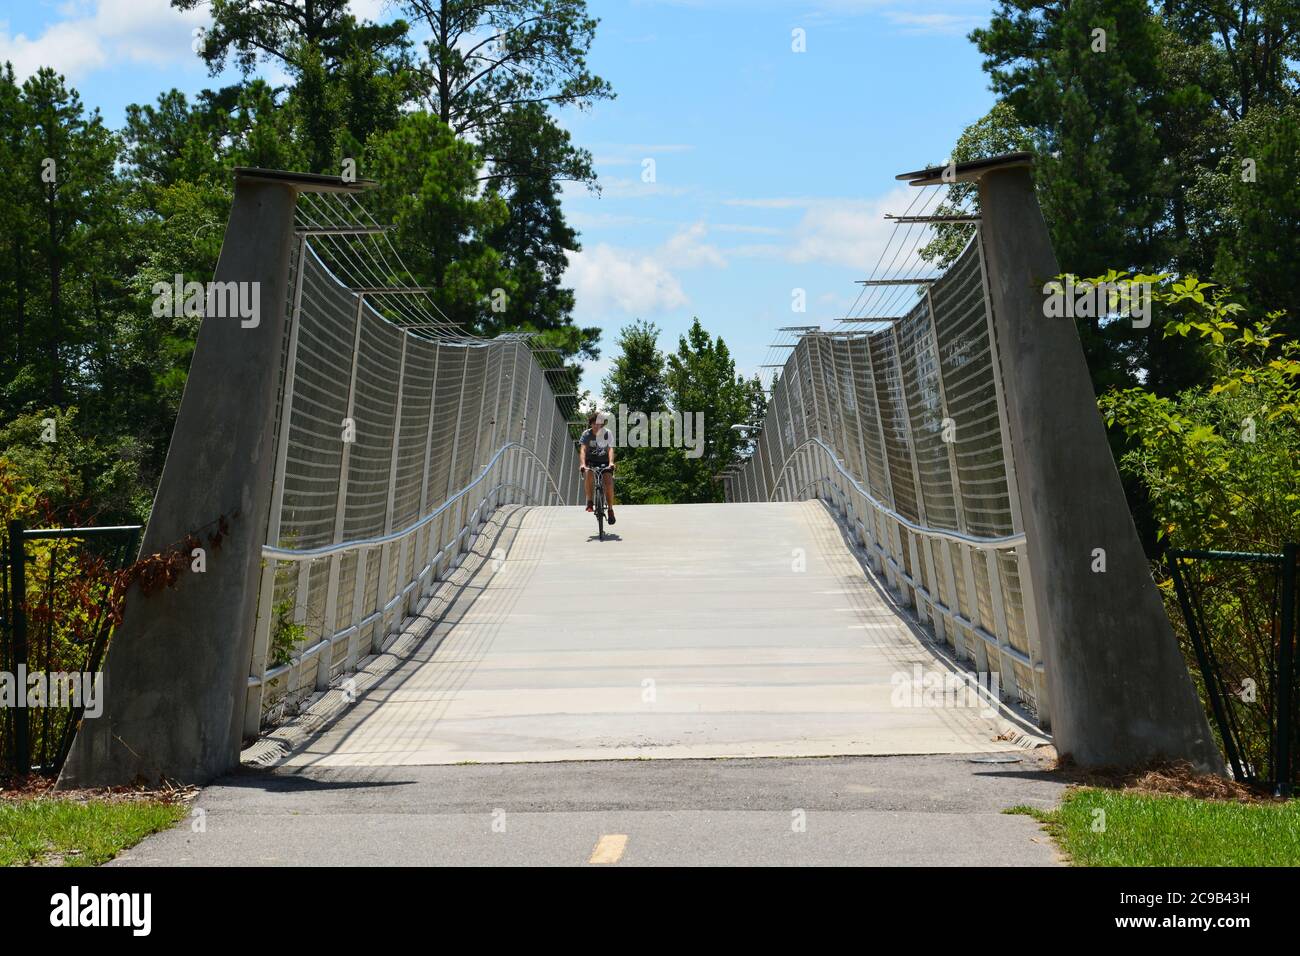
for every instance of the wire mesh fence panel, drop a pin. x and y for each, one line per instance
(822, 410)
(901, 429)
(470, 423)
(810, 387)
(373, 420)
(846, 401)
(984, 596)
(415, 447)
(1235, 617)
(489, 426)
(782, 402)
(413, 433)
(922, 396)
(872, 438)
(961, 597)
(894, 427)
(323, 370)
(374, 416)
(970, 389)
(396, 434)
(447, 403)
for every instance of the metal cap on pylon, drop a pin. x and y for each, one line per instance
(306, 182)
(965, 172)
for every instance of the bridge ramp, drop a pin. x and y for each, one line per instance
(699, 631)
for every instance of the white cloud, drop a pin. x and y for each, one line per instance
(613, 187)
(379, 11)
(777, 203)
(847, 232)
(593, 373)
(844, 232)
(607, 220)
(947, 24)
(643, 149)
(605, 278)
(737, 227)
(98, 33)
(687, 250)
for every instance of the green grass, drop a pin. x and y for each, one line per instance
(1147, 830)
(77, 833)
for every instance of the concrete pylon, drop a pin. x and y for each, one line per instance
(1120, 692)
(175, 678)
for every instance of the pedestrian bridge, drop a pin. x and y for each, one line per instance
(397, 571)
(694, 631)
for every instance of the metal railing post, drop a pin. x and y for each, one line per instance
(455, 445)
(428, 551)
(857, 420)
(508, 468)
(358, 609)
(18, 630)
(959, 511)
(893, 533)
(340, 504)
(919, 587)
(385, 553)
(1286, 672)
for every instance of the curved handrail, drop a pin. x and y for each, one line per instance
(955, 536)
(310, 554)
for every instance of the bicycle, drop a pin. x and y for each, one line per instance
(598, 495)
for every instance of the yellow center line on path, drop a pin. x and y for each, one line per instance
(609, 848)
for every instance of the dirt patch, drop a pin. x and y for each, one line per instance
(1171, 778)
(38, 787)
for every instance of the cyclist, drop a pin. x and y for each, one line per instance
(596, 448)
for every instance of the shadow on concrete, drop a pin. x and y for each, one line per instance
(1047, 776)
(281, 780)
(456, 597)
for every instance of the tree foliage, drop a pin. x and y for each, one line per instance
(699, 378)
(1220, 461)
(1142, 115)
(97, 217)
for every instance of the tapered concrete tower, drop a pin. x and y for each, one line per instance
(175, 679)
(1119, 688)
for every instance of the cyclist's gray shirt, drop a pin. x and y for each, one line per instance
(597, 446)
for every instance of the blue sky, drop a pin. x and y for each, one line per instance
(772, 168)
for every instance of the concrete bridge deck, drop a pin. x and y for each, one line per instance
(535, 676)
(740, 630)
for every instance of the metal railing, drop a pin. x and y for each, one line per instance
(392, 447)
(1239, 626)
(904, 431)
(59, 604)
